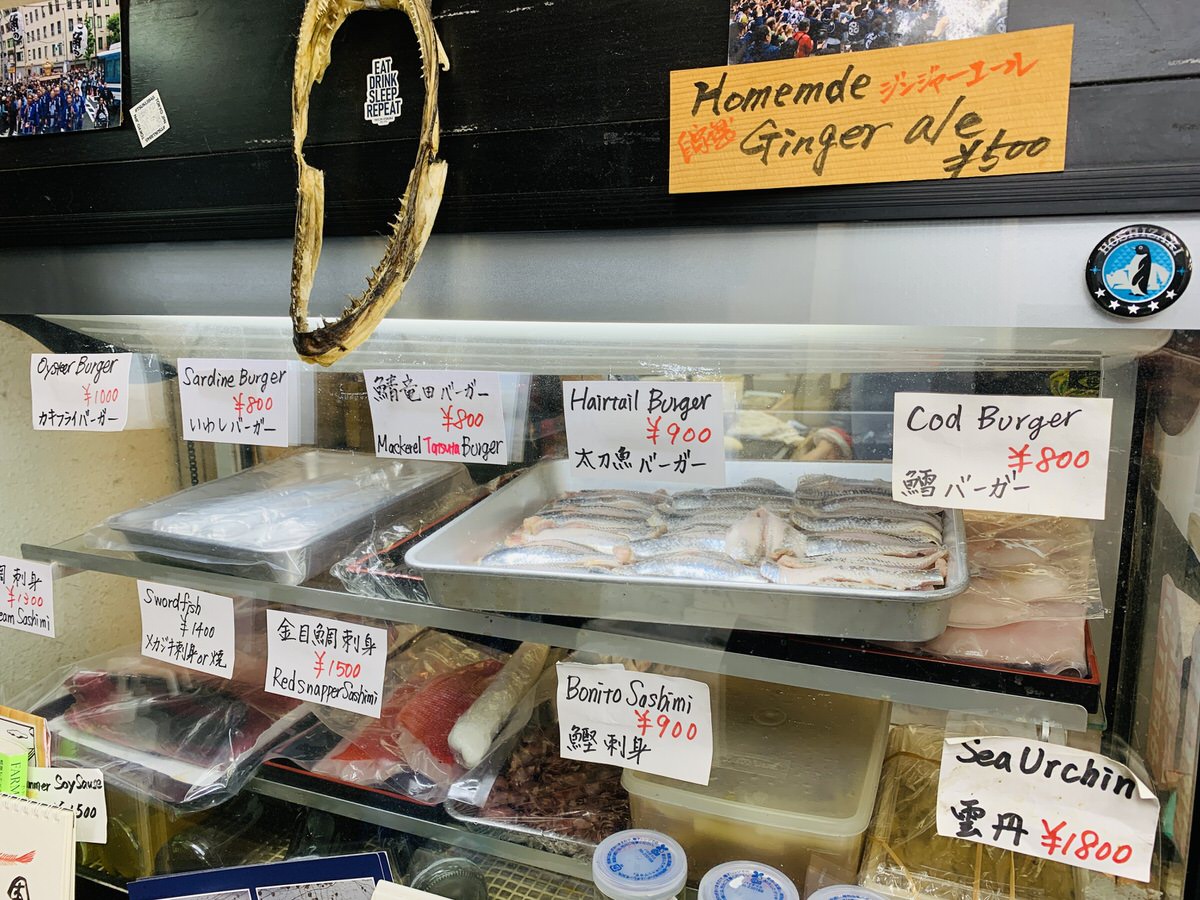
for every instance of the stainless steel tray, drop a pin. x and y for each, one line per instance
(449, 561)
(288, 546)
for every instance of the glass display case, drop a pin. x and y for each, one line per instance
(831, 691)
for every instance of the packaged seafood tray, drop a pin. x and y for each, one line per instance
(283, 521)
(716, 596)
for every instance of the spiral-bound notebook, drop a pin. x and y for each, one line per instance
(37, 850)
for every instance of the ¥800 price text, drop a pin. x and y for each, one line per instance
(1046, 459)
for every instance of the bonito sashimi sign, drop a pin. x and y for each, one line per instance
(955, 109)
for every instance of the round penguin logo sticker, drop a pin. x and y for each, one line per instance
(1138, 271)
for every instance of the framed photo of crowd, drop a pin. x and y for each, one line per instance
(768, 30)
(63, 66)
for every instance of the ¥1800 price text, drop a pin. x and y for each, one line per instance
(1083, 846)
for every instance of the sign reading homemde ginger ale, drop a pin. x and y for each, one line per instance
(955, 109)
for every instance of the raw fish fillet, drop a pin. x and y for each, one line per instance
(434, 709)
(1048, 646)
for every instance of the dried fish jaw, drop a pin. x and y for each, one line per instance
(419, 205)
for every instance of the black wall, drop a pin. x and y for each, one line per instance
(554, 116)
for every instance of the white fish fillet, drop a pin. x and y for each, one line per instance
(473, 733)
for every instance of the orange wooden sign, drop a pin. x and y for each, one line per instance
(954, 109)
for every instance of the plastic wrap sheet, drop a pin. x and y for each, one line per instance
(180, 737)
(1027, 568)
(905, 858)
(538, 798)
(431, 681)
(284, 521)
(376, 567)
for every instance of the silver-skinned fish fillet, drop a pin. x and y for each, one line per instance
(418, 207)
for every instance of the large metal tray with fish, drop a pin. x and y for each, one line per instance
(454, 576)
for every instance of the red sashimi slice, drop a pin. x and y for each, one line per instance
(434, 709)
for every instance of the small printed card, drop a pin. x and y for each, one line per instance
(80, 391)
(651, 723)
(1049, 801)
(646, 431)
(188, 628)
(1046, 456)
(338, 664)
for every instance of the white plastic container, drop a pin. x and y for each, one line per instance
(745, 880)
(845, 892)
(794, 773)
(639, 865)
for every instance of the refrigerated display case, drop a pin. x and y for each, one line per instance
(1084, 639)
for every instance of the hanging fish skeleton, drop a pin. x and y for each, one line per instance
(418, 207)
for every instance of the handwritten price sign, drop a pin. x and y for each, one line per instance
(334, 663)
(1048, 801)
(646, 431)
(80, 392)
(80, 790)
(26, 596)
(457, 416)
(1040, 455)
(230, 401)
(651, 723)
(951, 109)
(193, 629)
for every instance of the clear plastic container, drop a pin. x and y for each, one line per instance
(794, 773)
(639, 865)
(745, 880)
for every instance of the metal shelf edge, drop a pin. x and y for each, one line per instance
(73, 554)
(420, 827)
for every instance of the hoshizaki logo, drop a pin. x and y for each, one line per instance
(1138, 271)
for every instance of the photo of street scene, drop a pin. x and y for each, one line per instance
(60, 67)
(797, 29)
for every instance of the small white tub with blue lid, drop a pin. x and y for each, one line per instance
(745, 880)
(846, 892)
(639, 865)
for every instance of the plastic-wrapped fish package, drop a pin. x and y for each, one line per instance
(1033, 587)
(181, 737)
(445, 699)
(525, 792)
(1027, 568)
(376, 567)
(906, 859)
